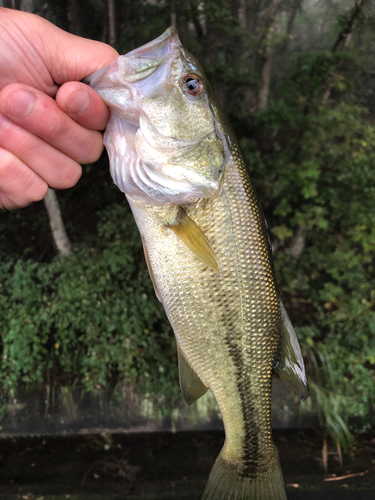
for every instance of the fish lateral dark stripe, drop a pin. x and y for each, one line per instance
(251, 441)
(251, 447)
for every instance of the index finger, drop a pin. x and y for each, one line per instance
(40, 115)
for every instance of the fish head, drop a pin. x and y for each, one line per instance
(163, 139)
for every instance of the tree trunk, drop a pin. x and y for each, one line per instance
(253, 8)
(238, 11)
(173, 14)
(343, 40)
(290, 25)
(12, 4)
(111, 23)
(266, 49)
(298, 243)
(182, 13)
(268, 21)
(195, 19)
(265, 80)
(56, 223)
(242, 14)
(345, 35)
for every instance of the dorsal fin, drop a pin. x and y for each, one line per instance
(194, 238)
(290, 366)
(191, 385)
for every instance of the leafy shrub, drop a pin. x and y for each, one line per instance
(313, 160)
(92, 317)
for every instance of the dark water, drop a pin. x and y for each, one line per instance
(163, 466)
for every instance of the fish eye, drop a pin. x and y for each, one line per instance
(192, 85)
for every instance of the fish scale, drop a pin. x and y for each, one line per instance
(207, 251)
(238, 303)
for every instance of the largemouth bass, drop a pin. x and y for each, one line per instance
(206, 245)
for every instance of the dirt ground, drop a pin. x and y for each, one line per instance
(163, 466)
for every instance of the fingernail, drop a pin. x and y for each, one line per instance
(79, 102)
(20, 103)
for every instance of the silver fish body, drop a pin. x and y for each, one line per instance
(206, 245)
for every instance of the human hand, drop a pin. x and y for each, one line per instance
(44, 140)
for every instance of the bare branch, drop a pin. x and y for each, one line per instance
(111, 22)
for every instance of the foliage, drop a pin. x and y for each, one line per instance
(92, 316)
(324, 399)
(313, 161)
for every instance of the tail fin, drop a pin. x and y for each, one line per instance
(229, 483)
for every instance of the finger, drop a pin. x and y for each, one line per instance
(39, 114)
(75, 57)
(54, 167)
(83, 104)
(57, 56)
(19, 185)
(6, 203)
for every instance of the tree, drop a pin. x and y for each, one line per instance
(57, 226)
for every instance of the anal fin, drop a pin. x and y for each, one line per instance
(194, 238)
(191, 385)
(290, 366)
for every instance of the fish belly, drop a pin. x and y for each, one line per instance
(226, 325)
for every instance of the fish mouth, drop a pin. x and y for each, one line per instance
(147, 156)
(144, 60)
(143, 72)
(147, 71)
(135, 66)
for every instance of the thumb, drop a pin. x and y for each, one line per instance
(72, 58)
(55, 55)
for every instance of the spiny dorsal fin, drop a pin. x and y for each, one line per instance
(150, 272)
(191, 385)
(291, 367)
(194, 238)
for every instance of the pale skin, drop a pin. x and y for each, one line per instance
(49, 122)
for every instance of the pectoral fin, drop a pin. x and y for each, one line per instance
(290, 366)
(150, 272)
(194, 238)
(191, 385)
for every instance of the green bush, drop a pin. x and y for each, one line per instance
(91, 318)
(313, 160)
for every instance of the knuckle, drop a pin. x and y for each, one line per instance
(7, 171)
(4, 123)
(54, 126)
